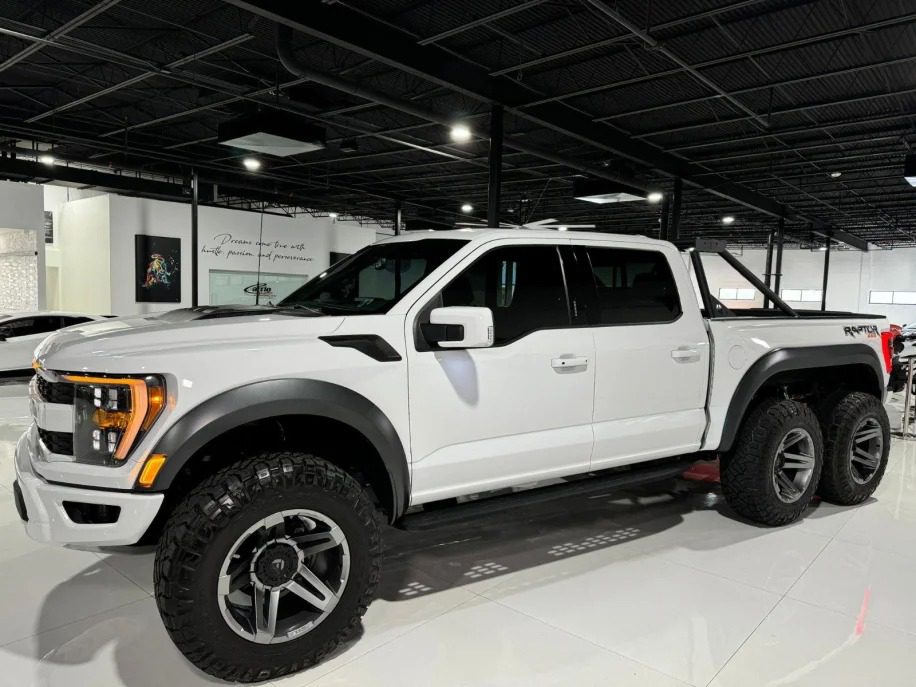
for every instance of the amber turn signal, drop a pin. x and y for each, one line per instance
(151, 469)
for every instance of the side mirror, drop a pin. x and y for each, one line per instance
(460, 327)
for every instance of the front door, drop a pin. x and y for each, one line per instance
(652, 354)
(518, 412)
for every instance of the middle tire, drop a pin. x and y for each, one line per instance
(774, 470)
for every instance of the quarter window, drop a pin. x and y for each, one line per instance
(522, 285)
(631, 287)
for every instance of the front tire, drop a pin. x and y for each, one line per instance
(857, 437)
(774, 471)
(267, 566)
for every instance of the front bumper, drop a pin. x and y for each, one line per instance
(46, 519)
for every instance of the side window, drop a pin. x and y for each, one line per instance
(46, 324)
(21, 327)
(33, 325)
(632, 287)
(70, 321)
(522, 285)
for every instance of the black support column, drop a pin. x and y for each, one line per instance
(768, 270)
(194, 241)
(674, 219)
(663, 220)
(827, 243)
(780, 236)
(496, 165)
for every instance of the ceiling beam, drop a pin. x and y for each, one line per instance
(60, 31)
(601, 8)
(232, 42)
(337, 25)
(480, 21)
(736, 57)
(690, 18)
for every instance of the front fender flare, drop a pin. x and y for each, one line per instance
(277, 397)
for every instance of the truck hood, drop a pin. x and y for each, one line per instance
(121, 344)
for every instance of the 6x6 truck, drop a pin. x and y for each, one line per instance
(264, 448)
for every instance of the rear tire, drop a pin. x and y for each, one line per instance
(289, 534)
(857, 440)
(773, 472)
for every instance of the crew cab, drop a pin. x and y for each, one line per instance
(263, 447)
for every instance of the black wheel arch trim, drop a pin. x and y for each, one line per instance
(277, 397)
(787, 359)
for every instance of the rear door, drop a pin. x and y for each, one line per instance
(651, 350)
(520, 411)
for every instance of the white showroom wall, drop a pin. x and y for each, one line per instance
(96, 236)
(22, 254)
(82, 255)
(853, 274)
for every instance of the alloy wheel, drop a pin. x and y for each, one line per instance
(283, 576)
(794, 465)
(866, 451)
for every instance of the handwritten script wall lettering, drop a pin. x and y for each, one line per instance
(226, 246)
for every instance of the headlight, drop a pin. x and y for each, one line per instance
(110, 415)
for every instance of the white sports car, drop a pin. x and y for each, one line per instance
(20, 333)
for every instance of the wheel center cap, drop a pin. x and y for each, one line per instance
(276, 565)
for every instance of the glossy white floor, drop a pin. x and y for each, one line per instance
(661, 588)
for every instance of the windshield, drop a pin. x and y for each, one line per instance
(374, 279)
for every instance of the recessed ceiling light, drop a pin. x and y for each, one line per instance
(460, 133)
(332, 215)
(252, 164)
(728, 219)
(467, 207)
(654, 197)
(561, 228)
(835, 175)
(603, 191)
(47, 159)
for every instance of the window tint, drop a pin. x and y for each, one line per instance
(70, 321)
(632, 287)
(522, 285)
(32, 325)
(374, 279)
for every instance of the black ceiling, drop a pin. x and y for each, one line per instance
(765, 97)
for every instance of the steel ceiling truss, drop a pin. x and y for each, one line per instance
(138, 87)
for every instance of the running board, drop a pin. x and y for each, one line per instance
(438, 515)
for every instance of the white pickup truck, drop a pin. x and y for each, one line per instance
(264, 447)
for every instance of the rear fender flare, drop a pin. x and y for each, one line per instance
(784, 360)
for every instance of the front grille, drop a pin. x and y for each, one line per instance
(57, 442)
(56, 392)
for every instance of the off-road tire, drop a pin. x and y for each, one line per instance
(837, 484)
(197, 538)
(747, 474)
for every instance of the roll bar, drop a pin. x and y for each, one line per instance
(720, 248)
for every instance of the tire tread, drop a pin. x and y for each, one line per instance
(745, 475)
(210, 507)
(836, 486)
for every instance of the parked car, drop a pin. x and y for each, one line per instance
(263, 447)
(21, 332)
